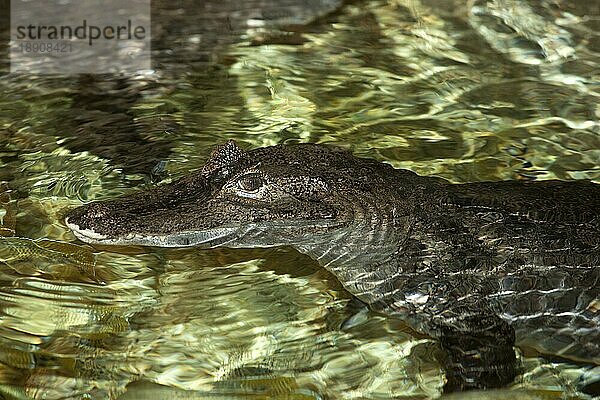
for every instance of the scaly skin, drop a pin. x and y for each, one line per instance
(480, 266)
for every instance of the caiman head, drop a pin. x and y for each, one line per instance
(319, 199)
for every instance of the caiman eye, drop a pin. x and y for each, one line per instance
(250, 183)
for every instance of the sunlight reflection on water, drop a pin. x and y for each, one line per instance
(468, 91)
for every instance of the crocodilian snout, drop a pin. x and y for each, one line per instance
(100, 221)
(173, 215)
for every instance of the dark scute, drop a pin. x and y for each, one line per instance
(222, 156)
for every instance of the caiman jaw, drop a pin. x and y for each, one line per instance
(85, 235)
(205, 238)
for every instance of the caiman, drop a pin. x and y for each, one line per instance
(483, 267)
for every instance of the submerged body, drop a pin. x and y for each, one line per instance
(481, 266)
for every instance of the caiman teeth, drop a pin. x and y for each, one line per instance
(183, 239)
(83, 234)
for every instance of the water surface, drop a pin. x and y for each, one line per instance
(466, 90)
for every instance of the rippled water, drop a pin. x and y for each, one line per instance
(467, 90)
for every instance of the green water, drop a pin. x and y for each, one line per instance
(467, 90)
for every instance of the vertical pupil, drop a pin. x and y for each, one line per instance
(251, 183)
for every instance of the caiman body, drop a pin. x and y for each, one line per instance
(480, 266)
